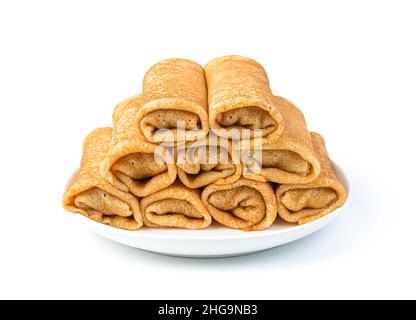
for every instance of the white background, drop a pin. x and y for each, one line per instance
(350, 66)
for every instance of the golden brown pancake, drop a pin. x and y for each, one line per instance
(303, 203)
(173, 90)
(94, 197)
(131, 163)
(239, 97)
(209, 160)
(245, 204)
(289, 160)
(176, 206)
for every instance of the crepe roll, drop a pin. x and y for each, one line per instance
(133, 164)
(245, 204)
(176, 206)
(94, 197)
(289, 160)
(239, 97)
(174, 93)
(206, 161)
(302, 203)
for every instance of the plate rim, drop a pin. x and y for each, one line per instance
(154, 232)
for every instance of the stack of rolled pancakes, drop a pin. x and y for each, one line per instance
(182, 154)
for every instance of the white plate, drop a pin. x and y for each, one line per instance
(216, 241)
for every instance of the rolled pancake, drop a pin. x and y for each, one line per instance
(289, 160)
(303, 203)
(94, 197)
(131, 163)
(245, 204)
(208, 160)
(239, 97)
(176, 206)
(173, 90)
